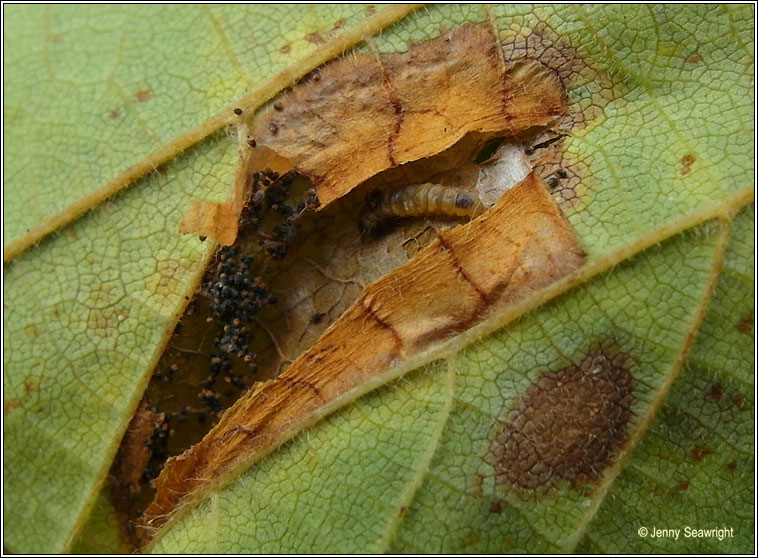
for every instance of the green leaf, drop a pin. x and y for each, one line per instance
(362, 480)
(92, 94)
(412, 466)
(694, 469)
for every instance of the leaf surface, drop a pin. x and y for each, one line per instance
(665, 145)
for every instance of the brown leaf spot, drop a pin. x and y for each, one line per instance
(114, 114)
(693, 58)
(568, 425)
(10, 405)
(496, 507)
(31, 330)
(32, 384)
(715, 392)
(285, 49)
(747, 324)
(699, 453)
(682, 485)
(143, 95)
(339, 24)
(731, 466)
(687, 162)
(314, 38)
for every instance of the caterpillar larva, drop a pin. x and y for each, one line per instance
(417, 200)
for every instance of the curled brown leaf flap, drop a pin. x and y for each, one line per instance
(468, 273)
(220, 221)
(364, 113)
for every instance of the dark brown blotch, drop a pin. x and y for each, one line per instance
(715, 392)
(746, 324)
(699, 453)
(569, 424)
(496, 507)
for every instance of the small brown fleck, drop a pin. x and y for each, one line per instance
(701, 452)
(273, 128)
(682, 485)
(687, 162)
(339, 23)
(238, 111)
(746, 324)
(739, 401)
(715, 393)
(478, 485)
(10, 405)
(693, 58)
(569, 424)
(496, 507)
(279, 107)
(731, 466)
(401, 511)
(114, 114)
(251, 143)
(33, 384)
(285, 49)
(314, 38)
(144, 95)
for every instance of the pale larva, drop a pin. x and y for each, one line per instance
(417, 200)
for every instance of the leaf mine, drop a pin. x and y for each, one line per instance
(422, 116)
(386, 110)
(461, 278)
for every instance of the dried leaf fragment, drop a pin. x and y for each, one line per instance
(363, 114)
(461, 278)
